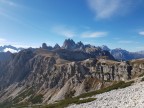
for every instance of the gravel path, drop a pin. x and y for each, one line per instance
(130, 97)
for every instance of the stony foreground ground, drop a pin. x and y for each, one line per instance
(130, 97)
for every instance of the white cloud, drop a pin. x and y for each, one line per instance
(109, 8)
(64, 31)
(89, 34)
(141, 33)
(9, 49)
(69, 32)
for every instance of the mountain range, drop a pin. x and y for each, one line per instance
(121, 54)
(69, 44)
(49, 74)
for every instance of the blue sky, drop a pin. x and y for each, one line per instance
(115, 23)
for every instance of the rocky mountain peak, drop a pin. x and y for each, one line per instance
(105, 48)
(44, 46)
(69, 44)
(120, 50)
(57, 46)
(80, 44)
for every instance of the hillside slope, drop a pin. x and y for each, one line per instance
(130, 97)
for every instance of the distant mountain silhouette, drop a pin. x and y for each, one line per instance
(121, 54)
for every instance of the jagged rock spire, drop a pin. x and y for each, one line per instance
(57, 46)
(69, 44)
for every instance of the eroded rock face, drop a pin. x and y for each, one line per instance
(41, 73)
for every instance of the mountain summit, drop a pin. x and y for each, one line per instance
(69, 44)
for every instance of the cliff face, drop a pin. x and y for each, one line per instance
(16, 69)
(41, 72)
